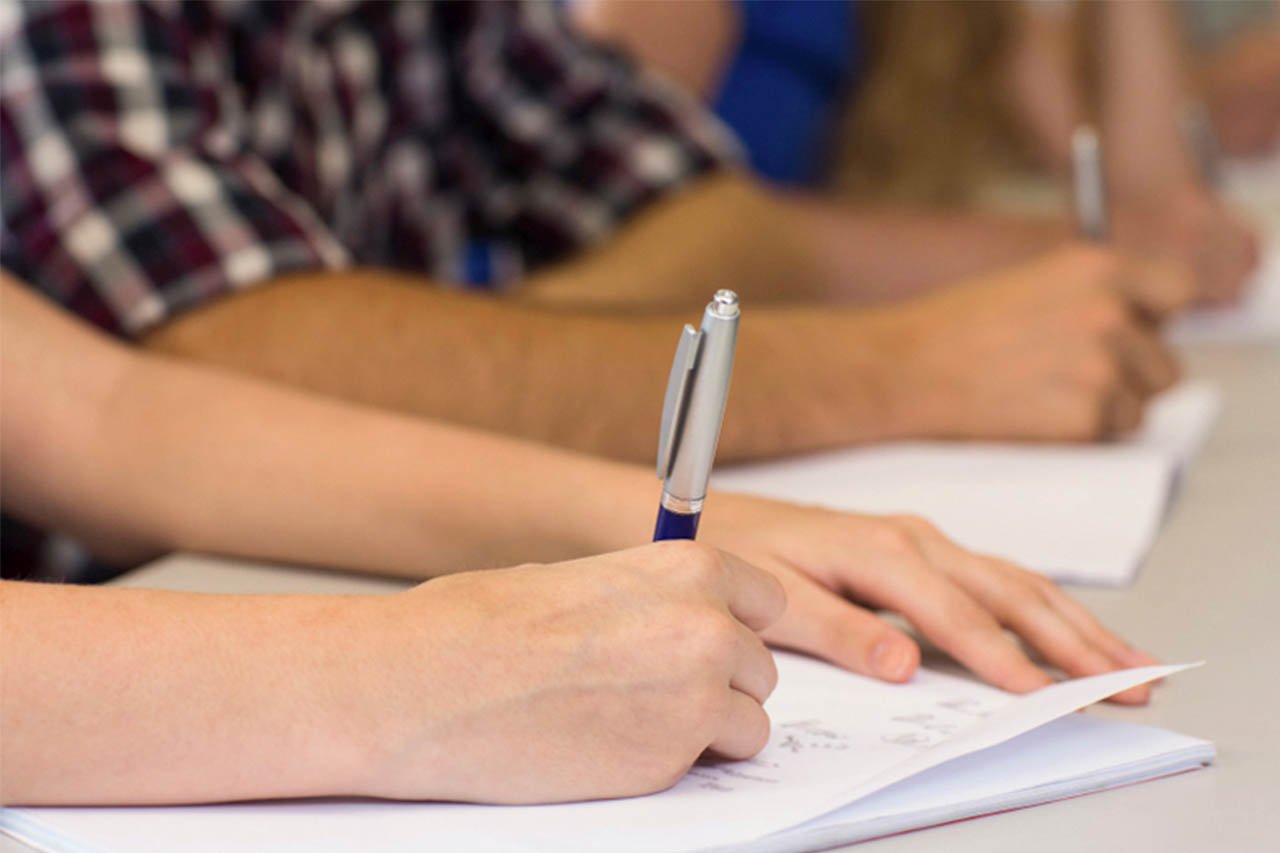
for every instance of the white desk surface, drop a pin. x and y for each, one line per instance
(1211, 590)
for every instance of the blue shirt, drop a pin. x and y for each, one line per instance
(783, 92)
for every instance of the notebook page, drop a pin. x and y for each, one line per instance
(1073, 755)
(1180, 420)
(837, 737)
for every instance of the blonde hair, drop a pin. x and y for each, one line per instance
(931, 118)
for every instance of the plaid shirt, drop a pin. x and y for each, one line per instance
(156, 155)
(159, 154)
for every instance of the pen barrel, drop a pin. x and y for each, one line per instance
(675, 525)
(695, 452)
(1090, 185)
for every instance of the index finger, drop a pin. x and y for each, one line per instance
(955, 623)
(755, 597)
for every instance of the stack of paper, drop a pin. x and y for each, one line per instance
(849, 758)
(1079, 513)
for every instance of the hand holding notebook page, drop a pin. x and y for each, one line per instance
(837, 738)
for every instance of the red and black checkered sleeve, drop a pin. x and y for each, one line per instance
(563, 139)
(127, 194)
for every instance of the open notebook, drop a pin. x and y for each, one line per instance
(1079, 513)
(849, 758)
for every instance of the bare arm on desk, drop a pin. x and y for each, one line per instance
(123, 696)
(586, 379)
(603, 677)
(136, 455)
(1162, 205)
(971, 361)
(871, 252)
(876, 252)
(595, 678)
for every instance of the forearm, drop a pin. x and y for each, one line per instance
(130, 696)
(876, 253)
(135, 455)
(805, 377)
(724, 231)
(1143, 92)
(687, 41)
(1044, 83)
(287, 476)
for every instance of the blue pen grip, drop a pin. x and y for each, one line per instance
(675, 525)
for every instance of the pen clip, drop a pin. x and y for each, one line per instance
(679, 383)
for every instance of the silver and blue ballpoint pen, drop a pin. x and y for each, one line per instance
(691, 416)
(1090, 185)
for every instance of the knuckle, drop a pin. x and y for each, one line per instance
(1040, 584)
(707, 704)
(698, 562)
(711, 635)
(896, 540)
(962, 616)
(1025, 598)
(916, 525)
(1107, 313)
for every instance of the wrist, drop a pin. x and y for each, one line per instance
(621, 513)
(348, 710)
(385, 694)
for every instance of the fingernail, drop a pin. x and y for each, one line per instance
(1141, 658)
(1139, 695)
(891, 660)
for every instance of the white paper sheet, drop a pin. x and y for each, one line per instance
(836, 737)
(1180, 421)
(1073, 755)
(1086, 514)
